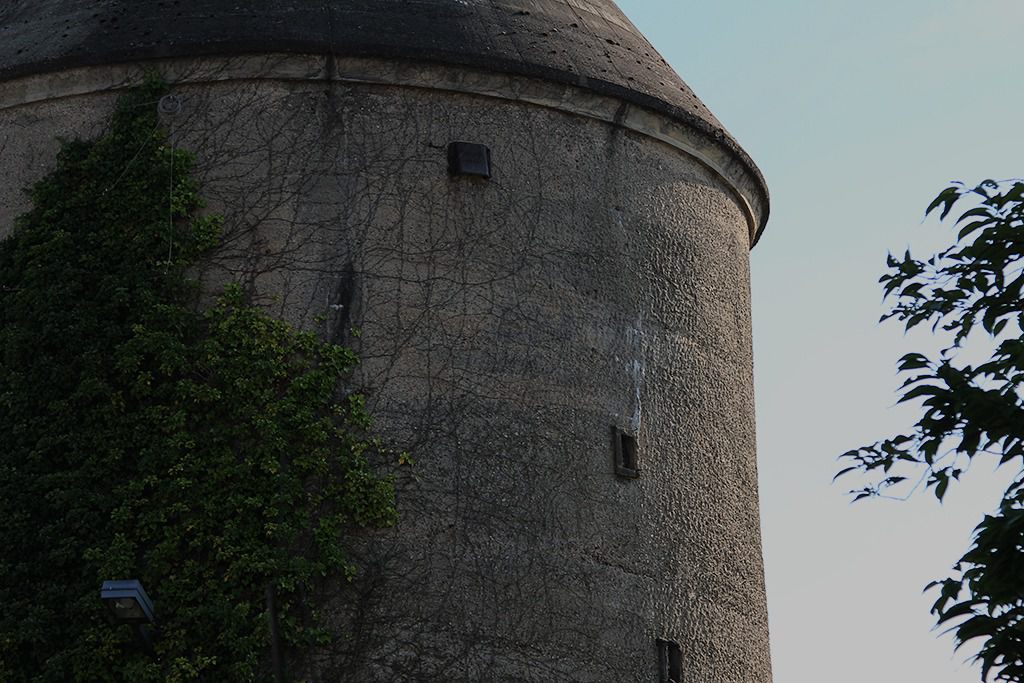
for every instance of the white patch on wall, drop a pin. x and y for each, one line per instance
(637, 370)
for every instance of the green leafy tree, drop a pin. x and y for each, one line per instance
(210, 453)
(971, 293)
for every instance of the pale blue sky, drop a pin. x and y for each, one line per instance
(858, 114)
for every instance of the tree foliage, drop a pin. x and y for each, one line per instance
(209, 453)
(970, 292)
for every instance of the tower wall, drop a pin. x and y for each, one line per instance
(599, 279)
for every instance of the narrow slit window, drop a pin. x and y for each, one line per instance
(670, 661)
(626, 458)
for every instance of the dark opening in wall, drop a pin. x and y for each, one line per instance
(670, 661)
(468, 158)
(626, 458)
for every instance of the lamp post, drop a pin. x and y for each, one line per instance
(129, 604)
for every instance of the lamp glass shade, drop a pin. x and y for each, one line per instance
(127, 609)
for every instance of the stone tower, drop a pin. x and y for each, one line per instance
(553, 317)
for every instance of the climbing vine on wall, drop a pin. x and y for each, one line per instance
(211, 452)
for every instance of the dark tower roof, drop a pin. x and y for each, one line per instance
(586, 43)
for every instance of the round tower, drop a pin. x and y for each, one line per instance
(537, 238)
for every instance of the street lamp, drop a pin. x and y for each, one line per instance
(129, 604)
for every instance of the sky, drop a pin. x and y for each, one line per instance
(858, 114)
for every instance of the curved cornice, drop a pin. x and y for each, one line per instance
(587, 44)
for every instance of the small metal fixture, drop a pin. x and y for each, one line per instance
(625, 448)
(169, 105)
(670, 661)
(469, 158)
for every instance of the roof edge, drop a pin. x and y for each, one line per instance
(246, 47)
(713, 135)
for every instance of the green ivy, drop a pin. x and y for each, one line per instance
(209, 453)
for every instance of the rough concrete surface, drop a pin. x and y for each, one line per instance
(600, 278)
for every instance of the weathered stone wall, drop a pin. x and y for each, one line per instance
(599, 278)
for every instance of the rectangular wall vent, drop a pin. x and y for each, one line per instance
(670, 661)
(468, 158)
(626, 458)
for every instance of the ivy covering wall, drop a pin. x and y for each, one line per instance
(209, 451)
